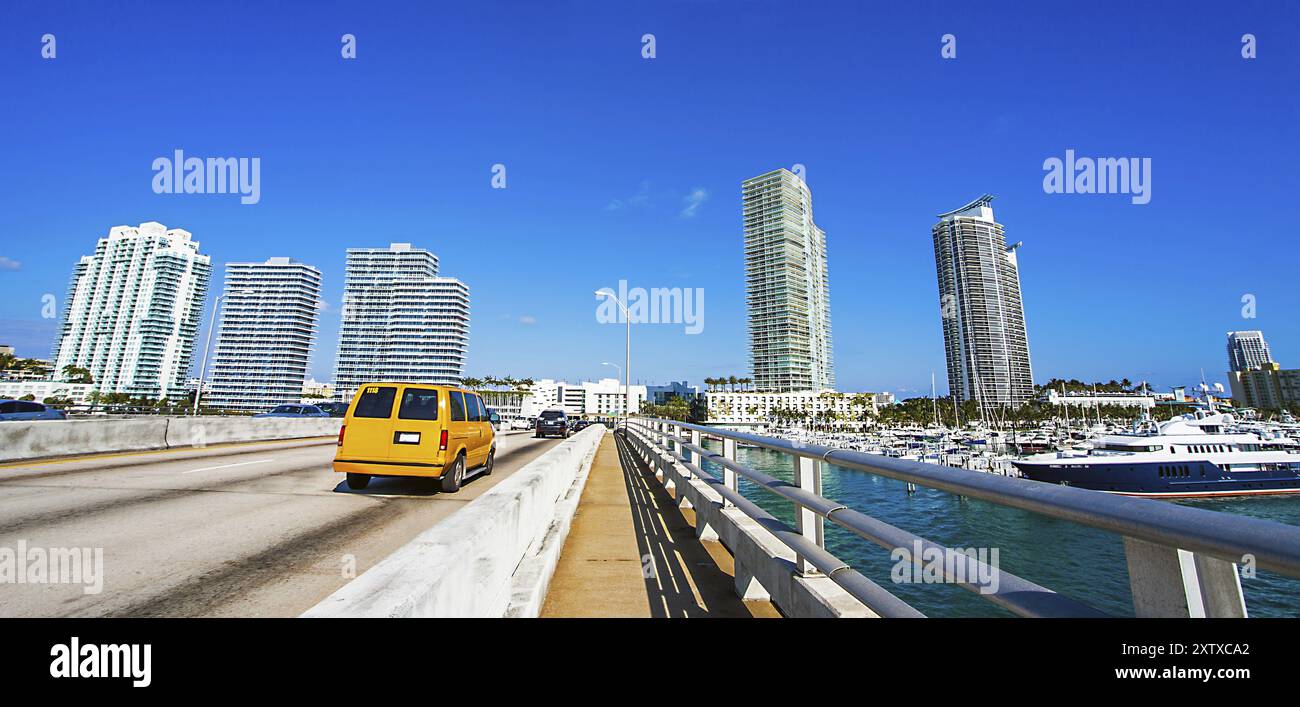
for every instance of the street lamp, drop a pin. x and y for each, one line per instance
(198, 389)
(627, 370)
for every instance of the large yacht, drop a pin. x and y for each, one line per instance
(1203, 453)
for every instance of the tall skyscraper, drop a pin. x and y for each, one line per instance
(132, 311)
(268, 324)
(1247, 350)
(787, 286)
(983, 318)
(401, 321)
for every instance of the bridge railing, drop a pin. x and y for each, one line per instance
(1181, 561)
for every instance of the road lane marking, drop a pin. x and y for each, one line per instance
(227, 466)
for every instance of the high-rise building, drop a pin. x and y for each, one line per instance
(133, 309)
(1267, 386)
(268, 325)
(787, 286)
(1247, 350)
(401, 321)
(984, 336)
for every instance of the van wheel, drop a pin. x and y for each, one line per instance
(450, 482)
(492, 456)
(358, 481)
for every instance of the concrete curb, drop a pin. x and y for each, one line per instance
(23, 440)
(466, 564)
(533, 577)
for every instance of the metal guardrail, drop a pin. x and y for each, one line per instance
(1181, 560)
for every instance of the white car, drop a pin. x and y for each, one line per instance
(520, 424)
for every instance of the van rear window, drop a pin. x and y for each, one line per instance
(375, 401)
(418, 404)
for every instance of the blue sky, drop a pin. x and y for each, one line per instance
(605, 151)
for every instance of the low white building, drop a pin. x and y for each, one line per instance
(1146, 402)
(602, 398)
(763, 409)
(40, 390)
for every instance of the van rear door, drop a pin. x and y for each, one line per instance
(417, 429)
(369, 424)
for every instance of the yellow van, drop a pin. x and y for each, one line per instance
(414, 429)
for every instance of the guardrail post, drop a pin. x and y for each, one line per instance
(1168, 582)
(698, 440)
(729, 476)
(808, 476)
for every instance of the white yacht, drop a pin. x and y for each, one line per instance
(1199, 454)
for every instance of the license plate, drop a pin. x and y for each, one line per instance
(408, 438)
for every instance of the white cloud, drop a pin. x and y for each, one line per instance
(9, 264)
(527, 319)
(640, 198)
(694, 201)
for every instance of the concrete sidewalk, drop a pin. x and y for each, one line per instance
(632, 553)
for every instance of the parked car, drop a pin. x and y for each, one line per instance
(27, 410)
(521, 423)
(552, 422)
(294, 411)
(334, 409)
(409, 429)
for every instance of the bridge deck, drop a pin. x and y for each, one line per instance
(632, 553)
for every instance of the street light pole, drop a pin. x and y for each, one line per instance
(207, 344)
(627, 360)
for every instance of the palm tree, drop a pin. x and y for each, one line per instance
(732, 380)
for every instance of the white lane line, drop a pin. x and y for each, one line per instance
(227, 466)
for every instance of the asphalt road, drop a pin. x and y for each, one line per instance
(263, 529)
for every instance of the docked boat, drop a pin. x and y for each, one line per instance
(1200, 454)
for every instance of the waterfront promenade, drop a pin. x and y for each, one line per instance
(631, 553)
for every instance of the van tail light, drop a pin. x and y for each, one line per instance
(342, 429)
(442, 441)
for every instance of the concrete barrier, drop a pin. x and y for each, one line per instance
(468, 564)
(22, 440)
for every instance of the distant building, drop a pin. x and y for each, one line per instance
(268, 326)
(314, 391)
(5, 349)
(884, 399)
(43, 370)
(603, 398)
(1265, 387)
(984, 336)
(40, 390)
(758, 409)
(507, 403)
(661, 394)
(1247, 350)
(787, 286)
(1145, 402)
(401, 320)
(132, 311)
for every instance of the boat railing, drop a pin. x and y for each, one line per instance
(1181, 561)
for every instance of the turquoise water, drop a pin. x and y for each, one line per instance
(1075, 560)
